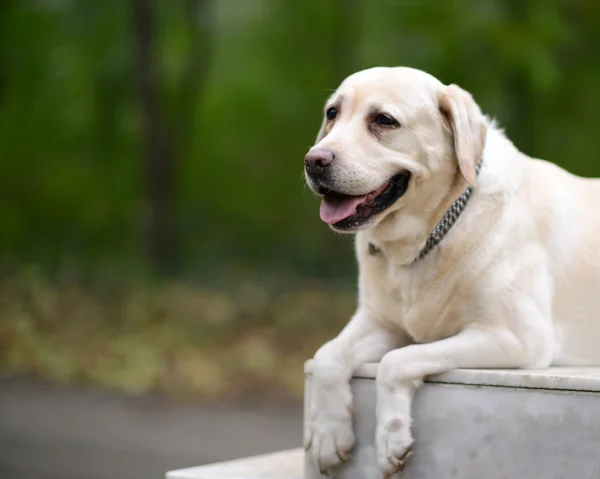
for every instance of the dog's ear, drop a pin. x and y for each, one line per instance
(468, 126)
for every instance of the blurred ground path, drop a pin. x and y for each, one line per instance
(54, 433)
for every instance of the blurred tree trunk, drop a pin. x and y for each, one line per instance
(347, 28)
(166, 142)
(158, 157)
(5, 7)
(199, 15)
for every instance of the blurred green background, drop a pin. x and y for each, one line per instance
(155, 230)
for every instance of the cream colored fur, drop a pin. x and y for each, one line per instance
(514, 284)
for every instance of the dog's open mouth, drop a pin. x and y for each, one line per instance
(346, 212)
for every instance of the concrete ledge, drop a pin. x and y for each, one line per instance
(279, 465)
(468, 424)
(487, 424)
(576, 379)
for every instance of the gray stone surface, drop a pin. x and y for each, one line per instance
(488, 424)
(468, 424)
(279, 465)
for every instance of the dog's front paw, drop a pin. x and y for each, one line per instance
(328, 434)
(393, 444)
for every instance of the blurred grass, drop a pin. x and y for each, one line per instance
(180, 338)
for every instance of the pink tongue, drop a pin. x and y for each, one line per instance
(335, 208)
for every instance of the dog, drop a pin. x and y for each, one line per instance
(471, 254)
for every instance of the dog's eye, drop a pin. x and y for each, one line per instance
(331, 113)
(385, 120)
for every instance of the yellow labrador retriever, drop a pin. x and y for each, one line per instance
(471, 254)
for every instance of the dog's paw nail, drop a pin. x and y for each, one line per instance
(344, 456)
(407, 454)
(400, 462)
(327, 472)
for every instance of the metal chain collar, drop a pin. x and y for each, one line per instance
(444, 225)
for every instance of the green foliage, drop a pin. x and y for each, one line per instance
(240, 89)
(71, 153)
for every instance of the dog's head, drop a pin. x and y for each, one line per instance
(392, 140)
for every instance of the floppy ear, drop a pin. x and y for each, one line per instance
(468, 126)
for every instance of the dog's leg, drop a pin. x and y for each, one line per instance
(401, 371)
(328, 432)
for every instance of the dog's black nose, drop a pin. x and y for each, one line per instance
(317, 161)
